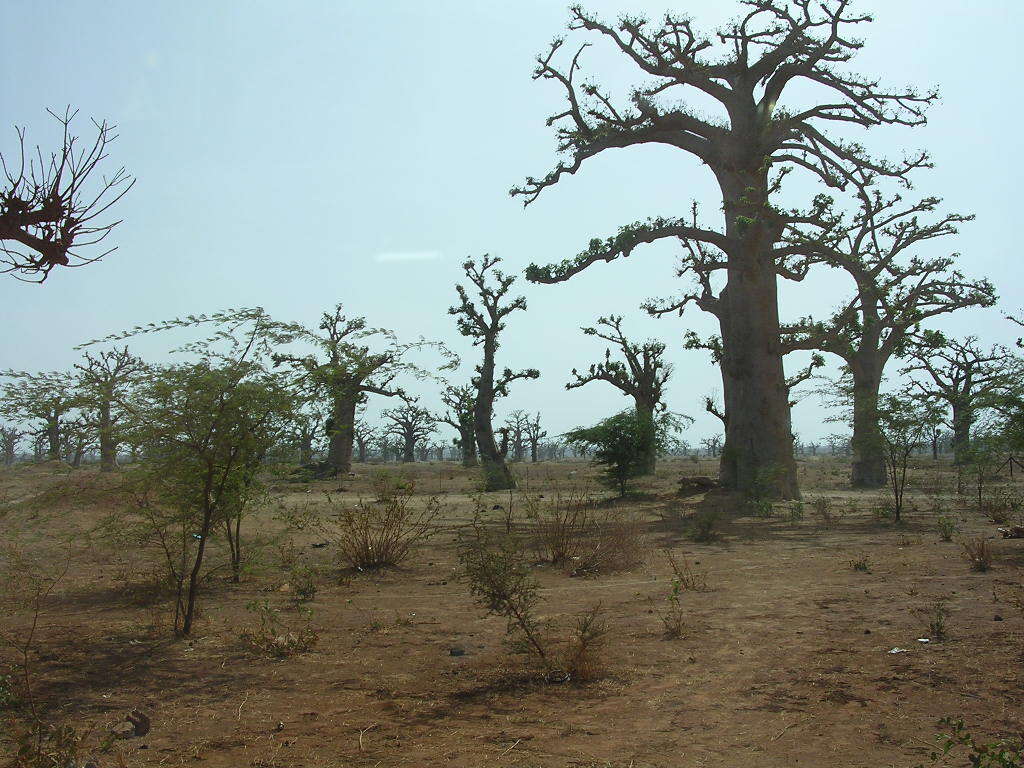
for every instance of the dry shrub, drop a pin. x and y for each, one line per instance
(498, 574)
(270, 636)
(978, 553)
(583, 654)
(704, 521)
(825, 511)
(684, 579)
(1001, 505)
(381, 534)
(571, 532)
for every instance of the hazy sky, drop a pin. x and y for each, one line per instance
(293, 155)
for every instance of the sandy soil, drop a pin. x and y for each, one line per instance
(784, 661)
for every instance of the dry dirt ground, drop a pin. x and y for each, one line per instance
(784, 661)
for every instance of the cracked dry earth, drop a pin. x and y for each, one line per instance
(784, 661)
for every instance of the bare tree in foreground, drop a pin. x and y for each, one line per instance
(483, 321)
(747, 67)
(52, 205)
(642, 376)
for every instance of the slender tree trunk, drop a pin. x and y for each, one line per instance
(340, 436)
(497, 476)
(868, 470)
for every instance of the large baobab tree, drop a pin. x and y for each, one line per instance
(460, 402)
(642, 376)
(104, 382)
(344, 371)
(746, 70)
(51, 204)
(964, 378)
(894, 292)
(483, 319)
(411, 425)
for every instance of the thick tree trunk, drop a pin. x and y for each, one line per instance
(963, 418)
(467, 444)
(758, 454)
(645, 415)
(409, 450)
(108, 444)
(868, 470)
(759, 435)
(53, 439)
(340, 437)
(305, 449)
(533, 453)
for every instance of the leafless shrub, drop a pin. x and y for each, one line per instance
(572, 533)
(498, 574)
(381, 534)
(582, 658)
(684, 579)
(270, 636)
(978, 553)
(826, 511)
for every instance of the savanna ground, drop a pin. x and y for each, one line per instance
(784, 660)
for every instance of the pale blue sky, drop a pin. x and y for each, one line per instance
(288, 155)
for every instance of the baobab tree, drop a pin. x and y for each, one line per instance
(50, 204)
(534, 434)
(411, 425)
(483, 320)
(460, 402)
(9, 438)
(104, 383)
(516, 424)
(345, 372)
(364, 434)
(305, 429)
(49, 400)
(963, 378)
(745, 69)
(642, 376)
(894, 292)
